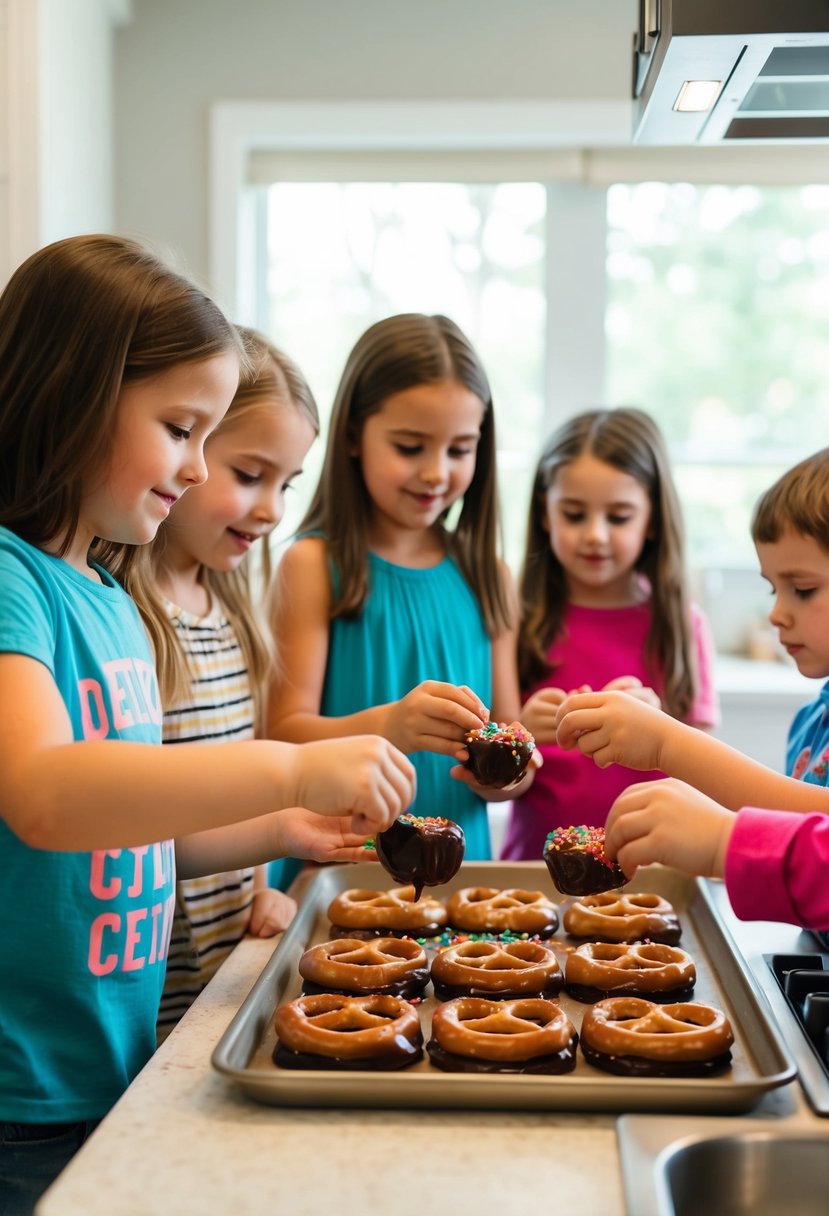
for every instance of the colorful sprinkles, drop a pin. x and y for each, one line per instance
(515, 736)
(582, 839)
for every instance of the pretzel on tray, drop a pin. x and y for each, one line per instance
(491, 910)
(336, 1031)
(472, 1034)
(393, 965)
(496, 969)
(628, 1035)
(610, 916)
(599, 969)
(395, 909)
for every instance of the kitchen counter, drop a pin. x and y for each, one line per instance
(183, 1139)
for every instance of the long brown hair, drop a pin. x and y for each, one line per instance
(629, 440)
(395, 354)
(78, 319)
(274, 382)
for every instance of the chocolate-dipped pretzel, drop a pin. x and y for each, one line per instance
(492, 910)
(422, 850)
(635, 1037)
(394, 966)
(331, 1030)
(499, 754)
(529, 1035)
(497, 970)
(382, 912)
(595, 970)
(608, 917)
(577, 861)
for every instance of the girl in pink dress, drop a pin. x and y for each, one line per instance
(604, 604)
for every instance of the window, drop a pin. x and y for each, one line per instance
(718, 324)
(343, 255)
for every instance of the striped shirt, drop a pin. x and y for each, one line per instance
(212, 912)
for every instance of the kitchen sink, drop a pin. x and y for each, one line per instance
(723, 1167)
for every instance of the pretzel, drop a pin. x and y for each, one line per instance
(496, 969)
(623, 918)
(394, 909)
(596, 969)
(379, 1031)
(490, 910)
(628, 1034)
(474, 1030)
(395, 965)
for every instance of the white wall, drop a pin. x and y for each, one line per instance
(176, 58)
(77, 163)
(56, 165)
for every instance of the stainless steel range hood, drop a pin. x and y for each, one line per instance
(734, 71)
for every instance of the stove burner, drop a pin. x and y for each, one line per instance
(804, 980)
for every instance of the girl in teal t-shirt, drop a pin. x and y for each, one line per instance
(114, 369)
(387, 617)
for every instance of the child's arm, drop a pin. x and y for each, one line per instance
(669, 822)
(432, 717)
(271, 910)
(774, 863)
(57, 793)
(615, 728)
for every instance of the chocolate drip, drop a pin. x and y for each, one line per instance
(640, 1066)
(447, 1061)
(423, 852)
(405, 1053)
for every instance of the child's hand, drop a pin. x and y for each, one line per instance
(434, 717)
(635, 688)
(270, 913)
(539, 714)
(363, 776)
(669, 822)
(322, 838)
(613, 728)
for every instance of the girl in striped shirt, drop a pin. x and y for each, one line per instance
(200, 604)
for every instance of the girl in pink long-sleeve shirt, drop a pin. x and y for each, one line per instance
(774, 862)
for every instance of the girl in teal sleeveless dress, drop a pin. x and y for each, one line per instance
(387, 619)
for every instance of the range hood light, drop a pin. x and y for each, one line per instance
(696, 96)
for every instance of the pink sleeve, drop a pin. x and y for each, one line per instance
(777, 866)
(706, 708)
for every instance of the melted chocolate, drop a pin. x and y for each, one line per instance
(497, 762)
(405, 1053)
(447, 1061)
(576, 872)
(423, 852)
(640, 1066)
(367, 935)
(589, 996)
(409, 986)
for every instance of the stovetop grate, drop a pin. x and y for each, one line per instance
(803, 980)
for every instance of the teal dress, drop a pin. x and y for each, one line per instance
(416, 625)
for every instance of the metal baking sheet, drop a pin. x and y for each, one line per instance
(761, 1061)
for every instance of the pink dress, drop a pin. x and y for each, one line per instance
(598, 645)
(776, 867)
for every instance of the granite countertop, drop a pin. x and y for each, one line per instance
(183, 1139)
